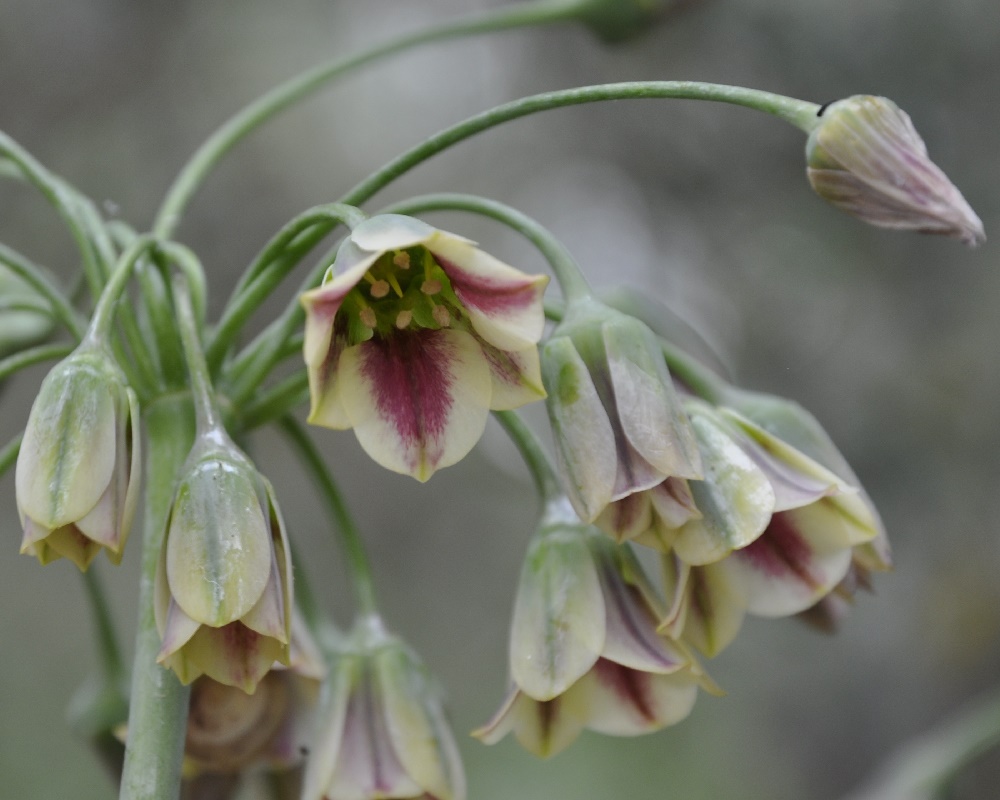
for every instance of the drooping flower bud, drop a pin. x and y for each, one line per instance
(77, 477)
(382, 731)
(618, 424)
(223, 590)
(585, 652)
(865, 157)
(414, 336)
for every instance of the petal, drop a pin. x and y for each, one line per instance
(385, 232)
(797, 479)
(673, 502)
(735, 498)
(650, 414)
(177, 629)
(325, 406)
(627, 518)
(418, 400)
(585, 440)
(708, 607)
(65, 542)
(558, 628)
(503, 303)
(68, 451)
(322, 760)
(516, 376)
(631, 639)
(233, 655)
(629, 702)
(544, 728)
(218, 550)
(420, 735)
(800, 558)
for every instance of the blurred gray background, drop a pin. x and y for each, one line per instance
(891, 340)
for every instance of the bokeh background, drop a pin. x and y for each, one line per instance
(891, 340)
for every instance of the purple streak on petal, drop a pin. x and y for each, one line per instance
(781, 551)
(411, 381)
(489, 295)
(629, 684)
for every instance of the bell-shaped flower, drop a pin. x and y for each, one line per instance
(585, 652)
(223, 597)
(866, 158)
(414, 336)
(229, 731)
(382, 731)
(618, 424)
(78, 469)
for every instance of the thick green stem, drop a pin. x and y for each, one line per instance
(348, 535)
(246, 121)
(159, 703)
(796, 112)
(566, 270)
(533, 454)
(40, 281)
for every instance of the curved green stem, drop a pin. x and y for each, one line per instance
(285, 250)
(533, 454)
(797, 112)
(9, 453)
(277, 400)
(349, 537)
(104, 312)
(272, 103)
(159, 704)
(67, 202)
(110, 652)
(39, 280)
(566, 270)
(33, 355)
(206, 406)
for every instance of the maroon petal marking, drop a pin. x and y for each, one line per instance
(781, 551)
(630, 685)
(489, 295)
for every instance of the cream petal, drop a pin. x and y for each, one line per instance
(233, 655)
(322, 759)
(420, 735)
(543, 728)
(325, 406)
(628, 702)
(673, 502)
(650, 414)
(176, 630)
(417, 401)
(503, 303)
(385, 232)
(735, 498)
(714, 609)
(218, 549)
(558, 628)
(585, 440)
(800, 557)
(68, 451)
(627, 518)
(65, 542)
(516, 376)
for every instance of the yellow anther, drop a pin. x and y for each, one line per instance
(368, 318)
(401, 259)
(430, 287)
(380, 289)
(403, 319)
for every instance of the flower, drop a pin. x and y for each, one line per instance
(618, 425)
(585, 652)
(382, 731)
(412, 338)
(822, 528)
(223, 597)
(77, 477)
(229, 730)
(866, 158)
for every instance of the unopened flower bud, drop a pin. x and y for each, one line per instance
(866, 158)
(223, 590)
(78, 469)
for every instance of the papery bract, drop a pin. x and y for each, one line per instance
(414, 336)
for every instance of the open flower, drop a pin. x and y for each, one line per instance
(382, 732)
(585, 652)
(412, 338)
(618, 424)
(866, 158)
(223, 597)
(78, 468)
